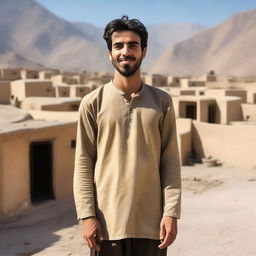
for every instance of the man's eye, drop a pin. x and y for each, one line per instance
(133, 46)
(118, 46)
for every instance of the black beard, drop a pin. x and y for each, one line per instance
(127, 70)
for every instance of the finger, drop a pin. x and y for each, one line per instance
(162, 232)
(99, 234)
(173, 237)
(85, 239)
(95, 246)
(166, 241)
(174, 232)
(88, 243)
(88, 240)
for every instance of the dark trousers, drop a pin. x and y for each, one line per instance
(130, 247)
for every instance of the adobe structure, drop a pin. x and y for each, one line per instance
(36, 160)
(216, 117)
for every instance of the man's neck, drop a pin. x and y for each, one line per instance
(128, 85)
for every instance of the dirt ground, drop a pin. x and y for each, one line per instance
(218, 218)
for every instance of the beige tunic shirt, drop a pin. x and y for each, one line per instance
(127, 168)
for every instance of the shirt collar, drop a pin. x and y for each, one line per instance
(122, 93)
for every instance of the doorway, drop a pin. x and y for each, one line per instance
(211, 113)
(191, 111)
(41, 188)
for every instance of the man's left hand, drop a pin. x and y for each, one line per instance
(168, 231)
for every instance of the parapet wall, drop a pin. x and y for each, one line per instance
(233, 145)
(249, 112)
(184, 135)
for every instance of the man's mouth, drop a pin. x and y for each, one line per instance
(128, 59)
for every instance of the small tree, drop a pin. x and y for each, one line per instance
(212, 73)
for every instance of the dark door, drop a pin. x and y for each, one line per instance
(191, 111)
(41, 171)
(211, 113)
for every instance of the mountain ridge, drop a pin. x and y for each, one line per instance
(35, 35)
(218, 48)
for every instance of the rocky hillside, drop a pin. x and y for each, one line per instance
(229, 49)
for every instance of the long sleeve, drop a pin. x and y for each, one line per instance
(86, 154)
(170, 165)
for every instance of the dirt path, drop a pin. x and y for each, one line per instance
(218, 218)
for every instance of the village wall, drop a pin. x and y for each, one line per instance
(233, 145)
(234, 112)
(219, 93)
(186, 83)
(9, 74)
(249, 112)
(229, 109)
(5, 92)
(21, 89)
(251, 97)
(184, 135)
(79, 91)
(62, 91)
(15, 165)
(29, 74)
(37, 103)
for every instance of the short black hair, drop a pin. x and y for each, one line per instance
(124, 24)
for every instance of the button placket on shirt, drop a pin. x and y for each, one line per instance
(129, 105)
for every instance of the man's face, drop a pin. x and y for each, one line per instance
(126, 54)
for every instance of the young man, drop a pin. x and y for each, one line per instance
(127, 169)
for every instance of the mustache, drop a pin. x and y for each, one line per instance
(127, 58)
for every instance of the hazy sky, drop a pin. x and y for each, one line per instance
(99, 12)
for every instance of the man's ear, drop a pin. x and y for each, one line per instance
(144, 52)
(109, 55)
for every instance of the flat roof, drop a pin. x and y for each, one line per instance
(14, 119)
(32, 80)
(54, 115)
(194, 98)
(243, 123)
(11, 114)
(78, 85)
(52, 100)
(194, 88)
(227, 89)
(29, 124)
(229, 98)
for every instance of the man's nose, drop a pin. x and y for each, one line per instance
(125, 50)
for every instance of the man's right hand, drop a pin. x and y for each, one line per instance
(92, 233)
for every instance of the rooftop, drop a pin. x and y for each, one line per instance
(10, 114)
(32, 80)
(13, 119)
(52, 100)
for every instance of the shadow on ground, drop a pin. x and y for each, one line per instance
(35, 231)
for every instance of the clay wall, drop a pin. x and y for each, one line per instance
(234, 145)
(15, 165)
(5, 92)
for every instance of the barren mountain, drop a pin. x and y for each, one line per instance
(229, 49)
(92, 32)
(162, 36)
(31, 31)
(12, 59)
(30, 34)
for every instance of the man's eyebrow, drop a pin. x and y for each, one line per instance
(118, 43)
(131, 42)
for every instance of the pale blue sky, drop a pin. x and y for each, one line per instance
(100, 12)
